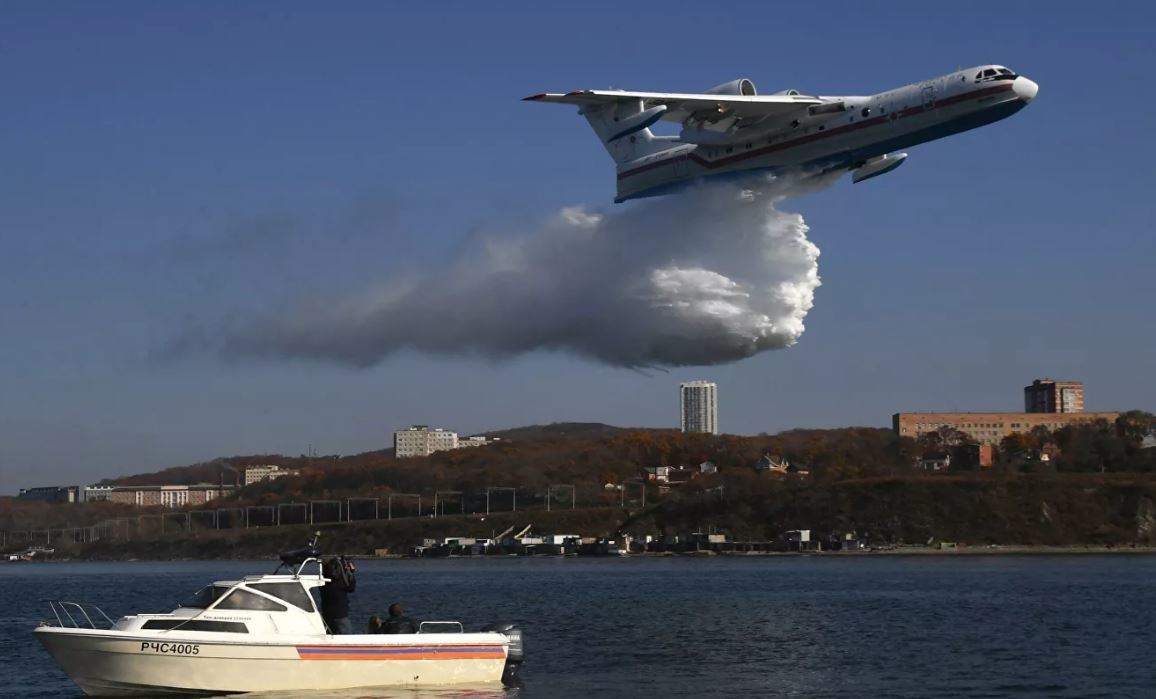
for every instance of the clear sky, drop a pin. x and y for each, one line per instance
(169, 165)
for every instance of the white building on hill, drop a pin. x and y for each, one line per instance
(268, 472)
(421, 440)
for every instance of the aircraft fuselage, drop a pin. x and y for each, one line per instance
(853, 132)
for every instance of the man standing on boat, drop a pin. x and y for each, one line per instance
(335, 595)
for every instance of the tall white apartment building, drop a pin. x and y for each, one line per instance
(421, 440)
(698, 406)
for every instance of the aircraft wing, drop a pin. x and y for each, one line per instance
(683, 106)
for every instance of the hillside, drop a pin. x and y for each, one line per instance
(558, 430)
(863, 479)
(218, 470)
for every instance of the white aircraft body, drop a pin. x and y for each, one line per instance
(731, 130)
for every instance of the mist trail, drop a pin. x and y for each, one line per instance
(710, 276)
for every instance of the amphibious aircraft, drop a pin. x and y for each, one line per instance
(731, 130)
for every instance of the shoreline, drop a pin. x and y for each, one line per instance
(915, 551)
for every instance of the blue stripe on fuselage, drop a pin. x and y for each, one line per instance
(848, 160)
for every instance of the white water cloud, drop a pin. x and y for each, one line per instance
(707, 277)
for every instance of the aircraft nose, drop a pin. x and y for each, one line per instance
(1025, 89)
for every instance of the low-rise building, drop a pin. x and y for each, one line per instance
(476, 441)
(421, 440)
(799, 540)
(267, 472)
(51, 493)
(769, 464)
(168, 495)
(936, 461)
(989, 428)
(658, 474)
(97, 493)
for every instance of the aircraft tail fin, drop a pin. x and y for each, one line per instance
(624, 129)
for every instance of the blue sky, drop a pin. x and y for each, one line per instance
(165, 166)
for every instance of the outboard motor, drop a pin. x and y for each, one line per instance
(516, 654)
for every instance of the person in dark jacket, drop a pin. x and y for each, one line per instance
(335, 594)
(397, 622)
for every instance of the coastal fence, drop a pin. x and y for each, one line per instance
(190, 523)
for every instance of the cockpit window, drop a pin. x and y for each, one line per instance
(997, 73)
(243, 599)
(205, 597)
(292, 593)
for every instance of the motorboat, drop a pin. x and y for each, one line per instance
(29, 554)
(264, 633)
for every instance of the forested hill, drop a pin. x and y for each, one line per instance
(591, 455)
(558, 430)
(588, 455)
(219, 470)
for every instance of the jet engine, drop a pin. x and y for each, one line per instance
(743, 87)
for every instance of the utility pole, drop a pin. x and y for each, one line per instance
(438, 498)
(560, 486)
(513, 493)
(389, 503)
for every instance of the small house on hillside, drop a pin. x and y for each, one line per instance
(657, 474)
(935, 461)
(678, 475)
(769, 464)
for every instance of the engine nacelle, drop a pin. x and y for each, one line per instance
(878, 166)
(742, 87)
(637, 122)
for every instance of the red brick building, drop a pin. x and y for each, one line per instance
(989, 428)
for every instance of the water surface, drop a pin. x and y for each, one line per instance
(886, 626)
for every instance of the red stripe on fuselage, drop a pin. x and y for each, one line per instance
(810, 138)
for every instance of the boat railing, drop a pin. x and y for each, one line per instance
(421, 628)
(307, 561)
(60, 610)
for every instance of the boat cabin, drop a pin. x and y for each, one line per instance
(257, 604)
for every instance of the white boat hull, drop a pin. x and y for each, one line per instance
(113, 663)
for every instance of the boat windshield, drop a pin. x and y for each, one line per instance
(204, 597)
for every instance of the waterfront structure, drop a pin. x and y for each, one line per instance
(168, 495)
(267, 472)
(1050, 396)
(698, 406)
(989, 428)
(421, 440)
